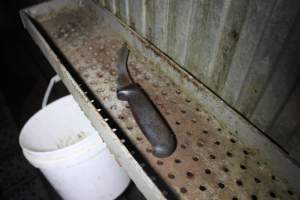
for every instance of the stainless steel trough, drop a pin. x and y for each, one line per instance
(219, 154)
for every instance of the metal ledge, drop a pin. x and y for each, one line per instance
(219, 154)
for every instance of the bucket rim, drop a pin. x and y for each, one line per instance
(48, 161)
(92, 139)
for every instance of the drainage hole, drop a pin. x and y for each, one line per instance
(171, 176)
(239, 182)
(189, 174)
(221, 185)
(243, 167)
(204, 131)
(202, 188)
(254, 197)
(183, 190)
(207, 171)
(273, 178)
(217, 143)
(183, 146)
(258, 163)
(272, 194)
(159, 162)
(225, 169)
(177, 161)
(257, 180)
(235, 198)
(177, 122)
(195, 158)
(183, 111)
(229, 154)
(245, 152)
(232, 140)
(121, 117)
(212, 157)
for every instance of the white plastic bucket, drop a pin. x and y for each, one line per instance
(60, 141)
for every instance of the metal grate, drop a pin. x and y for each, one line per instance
(209, 162)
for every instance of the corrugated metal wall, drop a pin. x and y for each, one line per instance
(246, 51)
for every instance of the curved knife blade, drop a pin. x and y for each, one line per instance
(124, 78)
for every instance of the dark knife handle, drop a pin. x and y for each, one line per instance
(150, 120)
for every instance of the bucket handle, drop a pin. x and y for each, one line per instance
(52, 81)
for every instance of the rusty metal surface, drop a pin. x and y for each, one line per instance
(209, 162)
(245, 51)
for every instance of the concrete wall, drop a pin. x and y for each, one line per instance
(247, 52)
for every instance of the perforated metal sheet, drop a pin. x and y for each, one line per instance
(209, 162)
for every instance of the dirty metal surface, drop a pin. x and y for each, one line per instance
(209, 162)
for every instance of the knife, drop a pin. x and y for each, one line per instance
(150, 120)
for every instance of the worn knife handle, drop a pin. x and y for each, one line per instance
(149, 119)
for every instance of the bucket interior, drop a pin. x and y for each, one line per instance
(58, 125)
